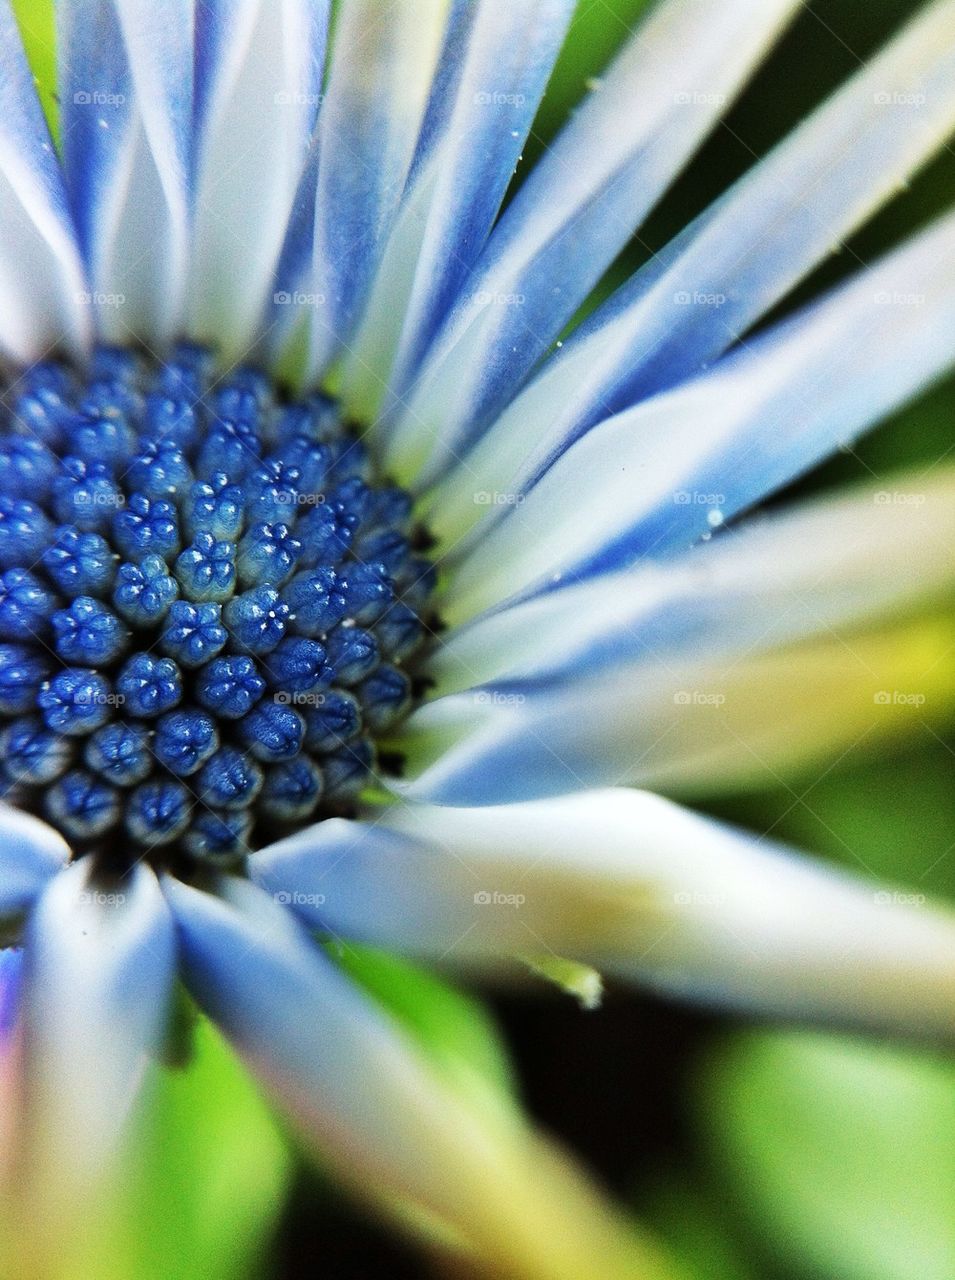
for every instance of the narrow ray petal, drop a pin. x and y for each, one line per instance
(493, 72)
(99, 973)
(689, 724)
(383, 61)
(577, 210)
(637, 886)
(41, 276)
(760, 418)
(819, 565)
(389, 1122)
(729, 267)
(125, 76)
(30, 854)
(259, 69)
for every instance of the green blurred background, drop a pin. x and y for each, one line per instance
(758, 1152)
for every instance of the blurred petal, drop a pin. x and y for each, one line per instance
(727, 269)
(126, 86)
(761, 417)
(637, 886)
(382, 65)
(259, 69)
(41, 276)
(577, 209)
(31, 853)
(766, 582)
(359, 1090)
(492, 75)
(99, 974)
(11, 986)
(692, 724)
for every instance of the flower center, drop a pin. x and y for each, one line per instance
(208, 607)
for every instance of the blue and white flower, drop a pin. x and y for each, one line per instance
(341, 599)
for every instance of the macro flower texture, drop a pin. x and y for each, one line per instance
(369, 577)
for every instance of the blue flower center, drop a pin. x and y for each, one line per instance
(209, 607)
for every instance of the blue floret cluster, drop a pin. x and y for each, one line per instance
(210, 607)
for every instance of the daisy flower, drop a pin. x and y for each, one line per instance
(355, 588)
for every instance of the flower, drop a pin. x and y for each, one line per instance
(507, 579)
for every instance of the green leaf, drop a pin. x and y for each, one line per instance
(841, 1153)
(692, 1225)
(203, 1186)
(36, 26)
(453, 1029)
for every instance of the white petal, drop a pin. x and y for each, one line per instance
(388, 1120)
(637, 886)
(99, 974)
(41, 276)
(761, 417)
(687, 723)
(817, 566)
(577, 209)
(31, 853)
(383, 60)
(728, 268)
(126, 85)
(259, 68)
(492, 75)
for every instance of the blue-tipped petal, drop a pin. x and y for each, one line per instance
(44, 285)
(813, 569)
(125, 74)
(628, 882)
(31, 853)
(257, 94)
(378, 85)
(574, 213)
(100, 960)
(727, 268)
(491, 76)
(760, 418)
